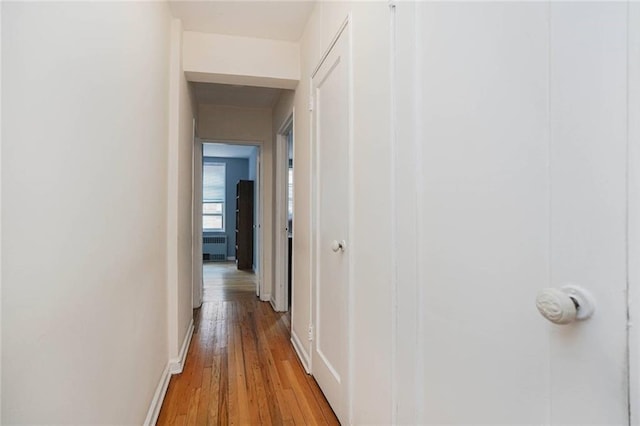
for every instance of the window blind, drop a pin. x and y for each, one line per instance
(213, 182)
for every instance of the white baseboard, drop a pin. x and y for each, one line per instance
(265, 297)
(177, 364)
(231, 258)
(158, 398)
(302, 354)
(174, 366)
(273, 304)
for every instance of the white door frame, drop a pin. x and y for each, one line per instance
(196, 222)
(281, 258)
(197, 186)
(633, 209)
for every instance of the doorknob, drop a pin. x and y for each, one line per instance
(565, 305)
(338, 245)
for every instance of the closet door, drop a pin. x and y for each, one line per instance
(511, 178)
(332, 199)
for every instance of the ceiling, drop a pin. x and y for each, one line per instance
(272, 19)
(227, 151)
(238, 96)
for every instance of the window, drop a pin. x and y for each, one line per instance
(213, 196)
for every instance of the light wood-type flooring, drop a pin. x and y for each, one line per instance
(241, 368)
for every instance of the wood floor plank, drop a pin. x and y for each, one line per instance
(306, 401)
(192, 412)
(329, 415)
(298, 418)
(241, 378)
(241, 367)
(205, 396)
(232, 377)
(181, 420)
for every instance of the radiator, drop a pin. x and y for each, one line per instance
(214, 247)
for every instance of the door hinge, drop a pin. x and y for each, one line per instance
(310, 332)
(311, 103)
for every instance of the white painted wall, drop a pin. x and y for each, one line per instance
(229, 124)
(371, 248)
(301, 294)
(179, 199)
(84, 175)
(218, 58)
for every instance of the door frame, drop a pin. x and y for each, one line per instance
(196, 221)
(197, 208)
(281, 257)
(633, 210)
(345, 28)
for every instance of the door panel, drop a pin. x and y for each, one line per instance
(331, 131)
(483, 245)
(588, 155)
(515, 115)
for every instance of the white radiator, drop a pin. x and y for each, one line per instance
(214, 247)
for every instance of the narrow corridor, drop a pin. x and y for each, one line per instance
(241, 367)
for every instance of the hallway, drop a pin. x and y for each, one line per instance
(241, 367)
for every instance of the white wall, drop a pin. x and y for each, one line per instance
(218, 58)
(234, 124)
(84, 174)
(301, 269)
(372, 301)
(179, 192)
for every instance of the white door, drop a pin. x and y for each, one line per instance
(510, 178)
(331, 149)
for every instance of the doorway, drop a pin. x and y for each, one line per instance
(284, 216)
(229, 215)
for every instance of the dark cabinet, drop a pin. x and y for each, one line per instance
(244, 224)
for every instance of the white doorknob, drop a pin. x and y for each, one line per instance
(565, 305)
(338, 245)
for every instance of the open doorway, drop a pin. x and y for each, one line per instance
(230, 218)
(284, 216)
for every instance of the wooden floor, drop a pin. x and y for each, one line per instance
(241, 367)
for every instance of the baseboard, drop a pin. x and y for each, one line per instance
(158, 398)
(174, 366)
(273, 304)
(231, 258)
(177, 364)
(265, 297)
(302, 354)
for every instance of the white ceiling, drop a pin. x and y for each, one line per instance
(227, 150)
(278, 20)
(238, 96)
